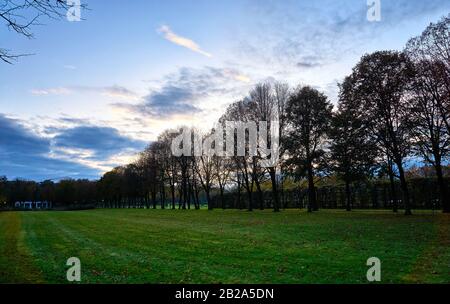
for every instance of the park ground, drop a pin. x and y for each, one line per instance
(223, 246)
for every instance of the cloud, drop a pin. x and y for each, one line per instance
(188, 90)
(100, 143)
(69, 67)
(181, 41)
(236, 75)
(114, 91)
(78, 152)
(51, 91)
(309, 62)
(119, 92)
(303, 34)
(25, 154)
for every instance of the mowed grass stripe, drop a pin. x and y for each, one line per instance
(17, 265)
(433, 265)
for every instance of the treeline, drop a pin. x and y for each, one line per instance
(81, 194)
(63, 194)
(370, 194)
(393, 108)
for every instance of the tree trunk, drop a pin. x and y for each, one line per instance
(197, 200)
(163, 197)
(189, 196)
(273, 179)
(312, 202)
(260, 195)
(239, 194)
(208, 199)
(249, 194)
(222, 202)
(393, 192)
(348, 196)
(154, 199)
(250, 200)
(442, 189)
(404, 187)
(172, 191)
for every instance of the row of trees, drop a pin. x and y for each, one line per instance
(393, 107)
(65, 193)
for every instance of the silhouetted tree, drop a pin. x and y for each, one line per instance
(431, 139)
(433, 46)
(308, 119)
(353, 153)
(380, 81)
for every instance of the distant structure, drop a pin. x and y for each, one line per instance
(32, 205)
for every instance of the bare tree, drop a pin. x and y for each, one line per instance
(433, 45)
(431, 141)
(205, 172)
(380, 81)
(238, 111)
(222, 169)
(21, 16)
(168, 161)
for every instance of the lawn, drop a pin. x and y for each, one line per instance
(223, 246)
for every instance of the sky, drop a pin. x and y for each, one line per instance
(94, 93)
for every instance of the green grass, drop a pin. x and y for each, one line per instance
(175, 246)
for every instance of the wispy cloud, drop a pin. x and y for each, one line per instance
(119, 92)
(181, 41)
(51, 91)
(305, 35)
(114, 91)
(70, 67)
(236, 75)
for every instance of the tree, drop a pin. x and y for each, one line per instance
(380, 81)
(205, 172)
(243, 165)
(431, 139)
(268, 104)
(48, 191)
(22, 15)
(261, 108)
(66, 192)
(222, 169)
(433, 46)
(308, 119)
(168, 162)
(281, 92)
(3, 187)
(353, 153)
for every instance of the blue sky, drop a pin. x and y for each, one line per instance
(97, 91)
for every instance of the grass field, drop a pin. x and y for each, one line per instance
(165, 246)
